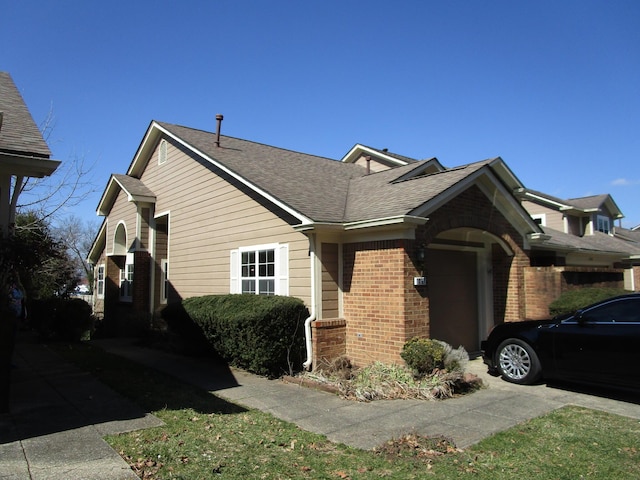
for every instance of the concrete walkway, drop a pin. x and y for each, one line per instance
(60, 414)
(466, 419)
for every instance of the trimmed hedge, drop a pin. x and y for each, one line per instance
(573, 300)
(68, 319)
(259, 333)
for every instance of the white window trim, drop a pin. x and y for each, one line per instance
(542, 217)
(606, 219)
(281, 267)
(164, 284)
(162, 152)
(99, 281)
(125, 273)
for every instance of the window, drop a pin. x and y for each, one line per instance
(540, 219)
(164, 287)
(603, 224)
(260, 270)
(126, 282)
(100, 281)
(162, 152)
(617, 311)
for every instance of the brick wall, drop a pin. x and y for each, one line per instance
(328, 340)
(544, 284)
(374, 301)
(382, 307)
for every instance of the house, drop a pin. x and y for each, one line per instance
(379, 246)
(580, 233)
(23, 151)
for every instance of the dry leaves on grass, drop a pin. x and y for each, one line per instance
(419, 447)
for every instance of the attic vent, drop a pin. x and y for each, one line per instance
(162, 152)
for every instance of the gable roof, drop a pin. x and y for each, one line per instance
(135, 190)
(577, 206)
(319, 190)
(23, 151)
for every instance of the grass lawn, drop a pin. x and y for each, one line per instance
(207, 437)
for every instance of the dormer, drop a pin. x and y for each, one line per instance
(375, 160)
(576, 216)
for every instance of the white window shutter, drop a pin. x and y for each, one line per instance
(234, 273)
(282, 273)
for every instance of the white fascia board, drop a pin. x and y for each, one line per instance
(386, 221)
(91, 257)
(561, 206)
(359, 150)
(303, 219)
(108, 192)
(400, 220)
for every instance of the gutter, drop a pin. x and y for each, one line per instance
(307, 323)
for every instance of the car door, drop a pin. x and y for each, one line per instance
(600, 344)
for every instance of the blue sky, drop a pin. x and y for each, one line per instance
(553, 87)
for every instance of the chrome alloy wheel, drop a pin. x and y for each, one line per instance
(514, 361)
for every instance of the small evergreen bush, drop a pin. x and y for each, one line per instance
(262, 334)
(573, 300)
(69, 319)
(423, 355)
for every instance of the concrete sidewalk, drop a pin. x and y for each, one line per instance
(59, 416)
(466, 419)
(60, 413)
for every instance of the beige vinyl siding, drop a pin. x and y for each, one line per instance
(126, 211)
(553, 218)
(330, 269)
(209, 217)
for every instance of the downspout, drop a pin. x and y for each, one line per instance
(312, 316)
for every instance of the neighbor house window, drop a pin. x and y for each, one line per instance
(164, 288)
(126, 282)
(100, 281)
(540, 219)
(260, 270)
(604, 224)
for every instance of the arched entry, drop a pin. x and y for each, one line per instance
(460, 282)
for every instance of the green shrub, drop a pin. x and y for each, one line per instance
(68, 319)
(573, 300)
(262, 334)
(423, 355)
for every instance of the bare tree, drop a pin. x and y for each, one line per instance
(77, 236)
(51, 197)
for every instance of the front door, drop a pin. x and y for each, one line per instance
(452, 283)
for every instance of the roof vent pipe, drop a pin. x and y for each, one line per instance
(219, 119)
(368, 159)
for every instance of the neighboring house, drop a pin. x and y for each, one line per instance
(380, 247)
(580, 233)
(23, 151)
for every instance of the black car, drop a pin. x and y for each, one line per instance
(598, 345)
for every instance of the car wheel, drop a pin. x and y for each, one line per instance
(517, 362)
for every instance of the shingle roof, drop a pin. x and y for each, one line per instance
(587, 203)
(598, 242)
(19, 133)
(323, 189)
(133, 186)
(379, 196)
(314, 186)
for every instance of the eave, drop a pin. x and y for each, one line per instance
(27, 165)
